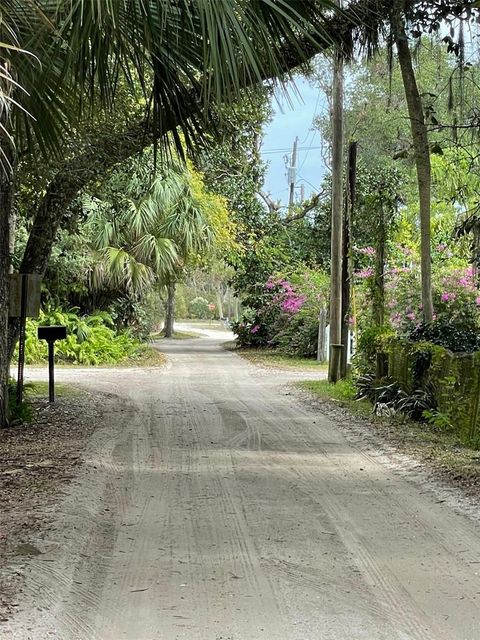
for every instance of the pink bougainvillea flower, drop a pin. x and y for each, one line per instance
(286, 286)
(292, 304)
(465, 282)
(255, 328)
(367, 251)
(365, 273)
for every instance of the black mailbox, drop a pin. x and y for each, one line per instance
(50, 334)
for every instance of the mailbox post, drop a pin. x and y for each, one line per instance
(24, 302)
(51, 334)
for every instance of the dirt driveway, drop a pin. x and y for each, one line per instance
(214, 506)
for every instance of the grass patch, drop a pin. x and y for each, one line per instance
(342, 393)
(438, 447)
(276, 359)
(177, 335)
(206, 324)
(40, 388)
(145, 356)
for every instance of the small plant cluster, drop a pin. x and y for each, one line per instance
(388, 398)
(91, 340)
(18, 413)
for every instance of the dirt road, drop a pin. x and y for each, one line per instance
(214, 506)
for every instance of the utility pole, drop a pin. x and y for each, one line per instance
(302, 193)
(292, 174)
(337, 221)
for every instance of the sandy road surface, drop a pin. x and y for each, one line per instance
(214, 506)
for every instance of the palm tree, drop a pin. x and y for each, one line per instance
(151, 241)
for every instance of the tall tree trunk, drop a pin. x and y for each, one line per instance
(422, 157)
(345, 291)
(381, 367)
(337, 221)
(169, 311)
(6, 203)
(12, 231)
(379, 278)
(346, 257)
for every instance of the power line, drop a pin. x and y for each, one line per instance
(309, 183)
(286, 149)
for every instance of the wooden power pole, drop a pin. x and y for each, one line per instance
(337, 221)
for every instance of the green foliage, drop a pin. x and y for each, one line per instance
(137, 314)
(372, 341)
(18, 413)
(388, 398)
(299, 337)
(181, 306)
(91, 340)
(383, 391)
(161, 223)
(448, 334)
(198, 308)
(438, 419)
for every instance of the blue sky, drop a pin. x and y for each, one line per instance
(290, 120)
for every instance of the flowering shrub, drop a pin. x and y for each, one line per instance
(284, 314)
(456, 297)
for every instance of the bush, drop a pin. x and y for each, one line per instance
(300, 335)
(91, 340)
(371, 341)
(138, 316)
(198, 308)
(448, 334)
(387, 397)
(283, 313)
(251, 334)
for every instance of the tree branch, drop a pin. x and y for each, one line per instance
(308, 206)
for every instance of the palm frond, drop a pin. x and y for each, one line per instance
(160, 252)
(119, 269)
(185, 55)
